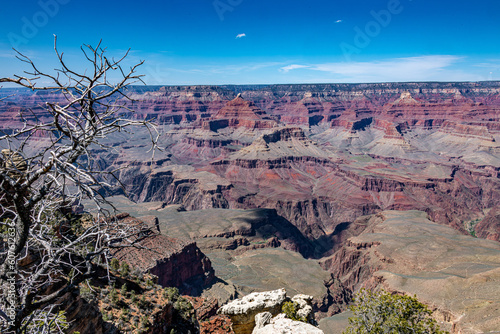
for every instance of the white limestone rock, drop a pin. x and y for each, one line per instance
(282, 325)
(243, 311)
(305, 309)
(262, 319)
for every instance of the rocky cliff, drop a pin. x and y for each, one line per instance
(176, 263)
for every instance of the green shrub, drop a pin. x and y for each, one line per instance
(381, 312)
(290, 309)
(47, 323)
(125, 314)
(144, 322)
(113, 296)
(143, 303)
(133, 296)
(183, 307)
(124, 269)
(114, 264)
(172, 294)
(87, 293)
(123, 290)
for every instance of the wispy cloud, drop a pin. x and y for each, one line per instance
(338, 21)
(423, 68)
(288, 68)
(241, 35)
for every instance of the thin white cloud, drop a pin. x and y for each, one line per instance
(338, 21)
(288, 68)
(423, 68)
(241, 35)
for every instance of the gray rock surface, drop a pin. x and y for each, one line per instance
(282, 325)
(243, 311)
(305, 309)
(262, 319)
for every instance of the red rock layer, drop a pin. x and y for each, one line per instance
(239, 113)
(177, 263)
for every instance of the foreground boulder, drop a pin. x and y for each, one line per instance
(305, 310)
(265, 324)
(243, 311)
(260, 313)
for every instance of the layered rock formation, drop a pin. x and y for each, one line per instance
(387, 146)
(177, 263)
(239, 113)
(489, 226)
(318, 159)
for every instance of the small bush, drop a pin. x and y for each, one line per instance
(123, 290)
(106, 317)
(87, 293)
(184, 307)
(114, 264)
(144, 322)
(125, 314)
(290, 310)
(133, 297)
(124, 269)
(172, 294)
(143, 303)
(113, 296)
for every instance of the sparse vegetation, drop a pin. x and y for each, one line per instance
(113, 296)
(124, 269)
(133, 297)
(183, 307)
(172, 294)
(471, 225)
(114, 264)
(40, 325)
(290, 309)
(123, 289)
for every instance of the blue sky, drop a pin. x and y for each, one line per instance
(265, 41)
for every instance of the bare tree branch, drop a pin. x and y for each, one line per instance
(39, 248)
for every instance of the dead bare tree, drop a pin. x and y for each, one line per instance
(41, 257)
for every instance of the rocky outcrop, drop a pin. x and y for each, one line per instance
(174, 105)
(243, 311)
(239, 113)
(489, 226)
(177, 263)
(466, 131)
(283, 325)
(83, 316)
(406, 99)
(391, 131)
(254, 313)
(200, 190)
